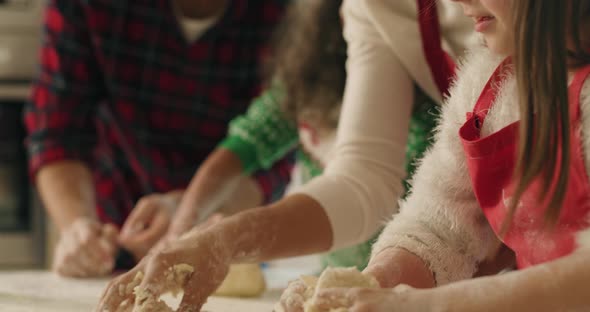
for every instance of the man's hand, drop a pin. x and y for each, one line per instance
(86, 249)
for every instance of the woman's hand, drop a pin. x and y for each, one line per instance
(202, 250)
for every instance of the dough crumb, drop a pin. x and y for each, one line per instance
(177, 277)
(147, 302)
(136, 281)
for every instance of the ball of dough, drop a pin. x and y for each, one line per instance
(243, 280)
(330, 278)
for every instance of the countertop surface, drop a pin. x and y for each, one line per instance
(42, 291)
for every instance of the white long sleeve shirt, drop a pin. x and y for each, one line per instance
(362, 181)
(441, 220)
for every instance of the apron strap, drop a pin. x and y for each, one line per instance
(575, 92)
(441, 64)
(490, 92)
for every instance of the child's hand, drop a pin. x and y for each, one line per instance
(402, 298)
(148, 222)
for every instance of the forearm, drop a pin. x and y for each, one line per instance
(296, 225)
(67, 191)
(561, 285)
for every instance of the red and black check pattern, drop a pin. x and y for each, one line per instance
(121, 89)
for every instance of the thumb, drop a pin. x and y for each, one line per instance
(156, 230)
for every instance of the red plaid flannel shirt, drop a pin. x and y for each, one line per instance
(121, 89)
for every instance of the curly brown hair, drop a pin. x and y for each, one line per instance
(309, 61)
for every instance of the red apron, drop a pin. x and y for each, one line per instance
(491, 161)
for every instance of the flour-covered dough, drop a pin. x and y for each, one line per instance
(308, 286)
(243, 280)
(145, 301)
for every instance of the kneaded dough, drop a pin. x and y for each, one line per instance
(145, 301)
(177, 278)
(243, 280)
(346, 278)
(330, 278)
(151, 304)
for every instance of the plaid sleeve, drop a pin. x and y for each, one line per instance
(274, 181)
(58, 116)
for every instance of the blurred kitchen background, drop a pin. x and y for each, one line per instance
(23, 238)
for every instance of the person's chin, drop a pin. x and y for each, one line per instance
(495, 46)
